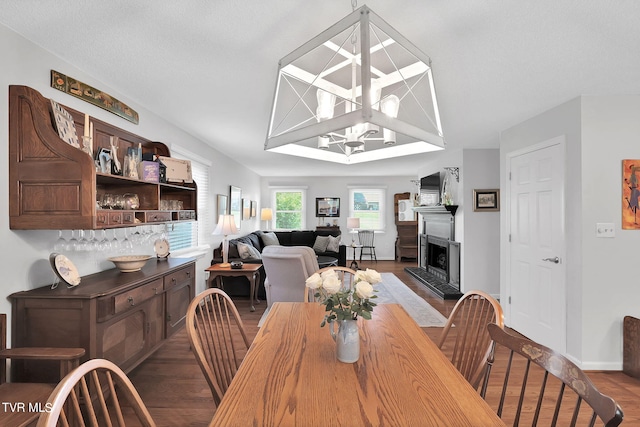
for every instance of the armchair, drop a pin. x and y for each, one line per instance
(287, 268)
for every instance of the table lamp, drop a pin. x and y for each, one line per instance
(266, 214)
(226, 226)
(353, 223)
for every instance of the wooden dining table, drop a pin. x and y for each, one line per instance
(290, 376)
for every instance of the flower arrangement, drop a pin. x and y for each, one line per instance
(345, 304)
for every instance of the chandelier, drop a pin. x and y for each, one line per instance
(357, 92)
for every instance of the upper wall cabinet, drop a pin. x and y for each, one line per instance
(54, 185)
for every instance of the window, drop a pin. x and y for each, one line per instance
(368, 205)
(189, 234)
(289, 208)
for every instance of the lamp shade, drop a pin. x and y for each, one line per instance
(353, 222)
(226, 225)
(266, 214)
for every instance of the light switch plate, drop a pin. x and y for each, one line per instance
(605, 229)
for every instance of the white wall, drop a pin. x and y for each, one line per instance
(481, 249)
(25, 262)
(610, 285)
(338, 187)
(601, 285)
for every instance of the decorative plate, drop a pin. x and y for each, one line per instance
(161, 246)
(65, 269)
(65, 125)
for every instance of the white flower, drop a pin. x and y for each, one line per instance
(372, 276)
(314, 281)
(328, 273)
(364, 289)
(331, 284)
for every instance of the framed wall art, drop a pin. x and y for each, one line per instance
(222, 205)
(254, 209)
(246, 209)
(486, 200)
(235, 204)
(630, 194)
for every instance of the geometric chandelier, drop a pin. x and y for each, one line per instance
(357, 92)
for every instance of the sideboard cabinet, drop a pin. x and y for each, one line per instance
(123, 317)
(54, 185)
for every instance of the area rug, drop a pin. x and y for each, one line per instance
(391, 290)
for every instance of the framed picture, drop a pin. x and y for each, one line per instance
(235, 204)
(486, 200)
(327, 207)
(246, 208)
(254, 208)
(222, 205)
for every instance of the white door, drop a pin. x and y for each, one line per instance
(536, 274)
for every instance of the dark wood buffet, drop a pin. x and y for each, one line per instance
(123, 317)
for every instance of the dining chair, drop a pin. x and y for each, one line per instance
(534, 395)
(345, 274)
(366, 237)
(465, 339)
(217, 337)
(97, 393)
(287, 268)
(16, 393)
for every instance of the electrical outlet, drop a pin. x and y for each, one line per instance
(605, 229)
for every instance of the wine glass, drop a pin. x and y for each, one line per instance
(104, 244)
(115, 243)
(72, 243)
(127, 245)
(60, 244)
(83, 243)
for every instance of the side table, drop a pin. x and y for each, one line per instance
(250, 271)
(354, 263)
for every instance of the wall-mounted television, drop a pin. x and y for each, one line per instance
(327, 207)
(430, 190)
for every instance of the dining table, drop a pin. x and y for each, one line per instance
(290, 376)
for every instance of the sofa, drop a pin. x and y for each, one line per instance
(253, 243)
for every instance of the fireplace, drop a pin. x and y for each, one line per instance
(442, 259)
(439, 254)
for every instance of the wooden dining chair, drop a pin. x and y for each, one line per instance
(366, 238)
(465, 339)
(97, 393)
(535, 396)
(36, 394)
(217, 338)
(345, 274)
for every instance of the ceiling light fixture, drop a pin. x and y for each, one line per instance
(357, 92)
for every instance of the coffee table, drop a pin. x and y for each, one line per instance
(327, 261)
(250, 271)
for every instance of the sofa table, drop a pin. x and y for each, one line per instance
(250, 271)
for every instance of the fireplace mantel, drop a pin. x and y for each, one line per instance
(435, 210)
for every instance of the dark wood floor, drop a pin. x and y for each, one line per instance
(172, 386)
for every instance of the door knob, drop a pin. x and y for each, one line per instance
(555, 260)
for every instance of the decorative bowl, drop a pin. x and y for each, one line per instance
(129, 263)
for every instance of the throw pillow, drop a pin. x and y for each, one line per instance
(321, 243)
(248, 251)
(269, 239)
(334, 244)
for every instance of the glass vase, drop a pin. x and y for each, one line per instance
(347, 340)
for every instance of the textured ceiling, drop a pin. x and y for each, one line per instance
(210, 66)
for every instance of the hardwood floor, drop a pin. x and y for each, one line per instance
(176, 393)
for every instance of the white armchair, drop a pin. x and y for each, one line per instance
(287, 268)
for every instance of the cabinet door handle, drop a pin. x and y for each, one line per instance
(174, 281)
(131, 302)
(189, 274)
(155, 291)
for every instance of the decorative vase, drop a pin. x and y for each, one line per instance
(347, 340)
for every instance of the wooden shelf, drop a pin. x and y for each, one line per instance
(55, 186)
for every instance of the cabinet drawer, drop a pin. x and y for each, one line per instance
(155, 216)
(128, 299)
(180, 276)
